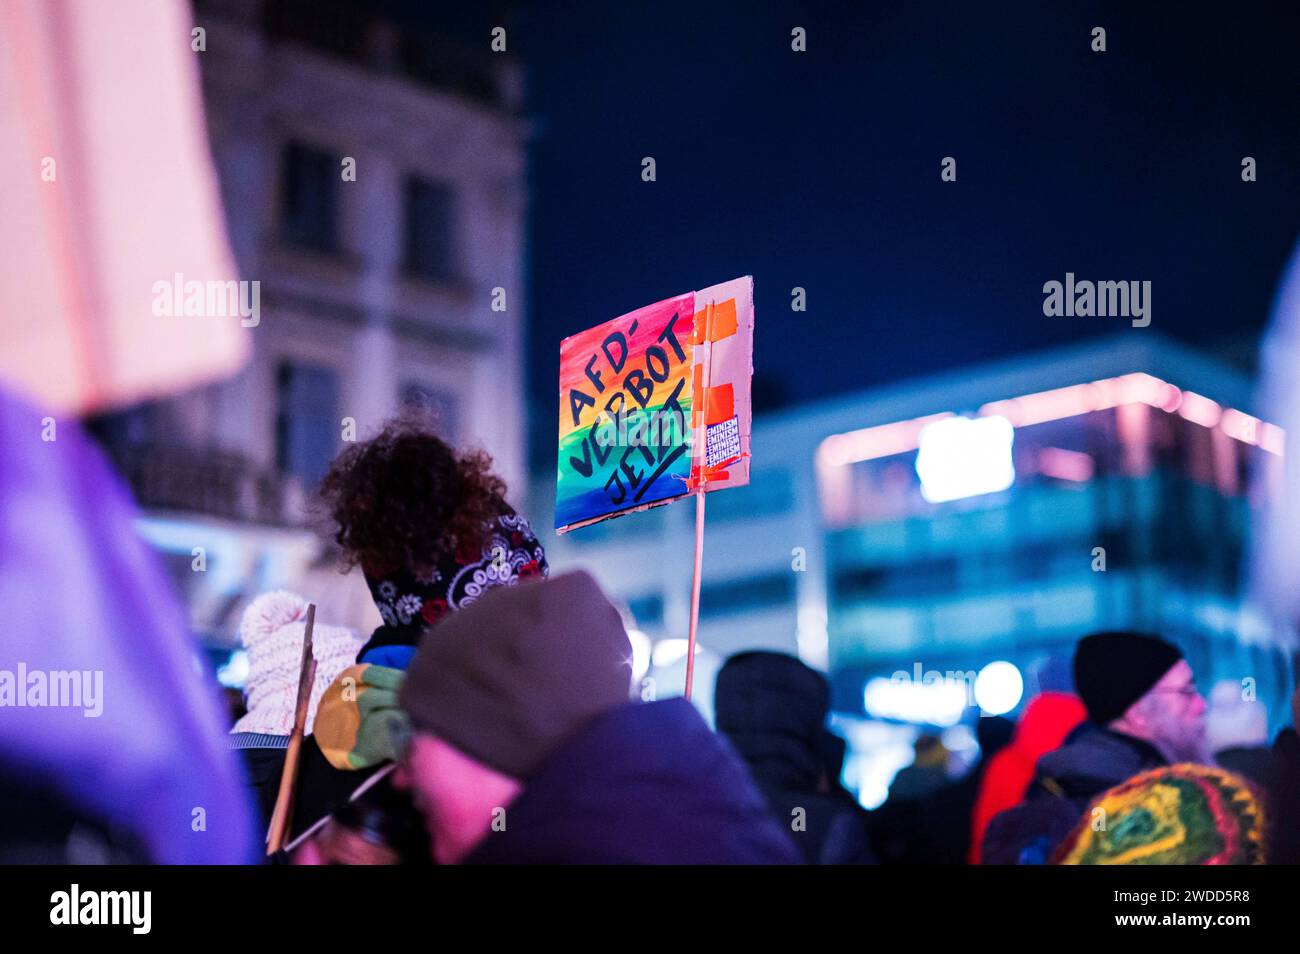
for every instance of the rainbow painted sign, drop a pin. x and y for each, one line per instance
(655, 404)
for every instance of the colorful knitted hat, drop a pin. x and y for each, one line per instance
(272, 631)
(1174, 815)
(410, 602)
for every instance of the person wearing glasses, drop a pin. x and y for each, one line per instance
(1143, 711)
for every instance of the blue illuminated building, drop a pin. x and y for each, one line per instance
(1108, 485)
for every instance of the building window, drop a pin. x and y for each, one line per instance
(310, 204)
(769, 493)
(920, 577)
(430, 230)
(441, 406)
(307, 424)
(747, 595)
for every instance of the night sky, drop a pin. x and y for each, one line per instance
(822, 169)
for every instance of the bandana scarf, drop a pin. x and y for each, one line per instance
(410, 602)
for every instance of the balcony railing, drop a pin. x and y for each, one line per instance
(354, 32)
(209, 482)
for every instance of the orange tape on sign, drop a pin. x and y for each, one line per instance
(722, 400)
(724, 322)
(722, 403)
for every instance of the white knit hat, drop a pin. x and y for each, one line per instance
(272, 630)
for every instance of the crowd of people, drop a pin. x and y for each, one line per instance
(491, 720)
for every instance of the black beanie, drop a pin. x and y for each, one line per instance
(1113, 670)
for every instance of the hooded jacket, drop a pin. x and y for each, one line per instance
(645, 783)
(772, 709)
(1092, 760)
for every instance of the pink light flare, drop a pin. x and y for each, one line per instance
(884, 440)
(1136, 389)
(1065, 464)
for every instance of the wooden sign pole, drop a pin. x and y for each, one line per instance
(278, 832)
(695, 590)
(697, 574)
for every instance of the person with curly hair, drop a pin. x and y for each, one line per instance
(432, 532)
(430, 529)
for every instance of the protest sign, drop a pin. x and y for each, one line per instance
(625, 397)
(654, 404)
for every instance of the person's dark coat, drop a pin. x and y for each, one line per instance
(1092, 760)
(944, 834)
(322, 789)
(933, 828)
(263, 766)
(1275, 773)
(646, 783)
(899, 831)
(1284, 800)
(772, 709)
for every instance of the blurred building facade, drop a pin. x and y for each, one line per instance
(1102, 486)
(374, 186)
